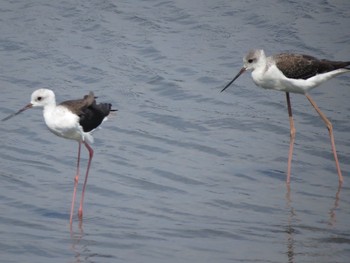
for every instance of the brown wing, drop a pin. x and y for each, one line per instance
(78, 106)
(297, 66)
(90, 114)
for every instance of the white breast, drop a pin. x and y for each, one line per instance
(62, 122)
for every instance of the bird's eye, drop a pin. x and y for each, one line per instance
(39, 98)
(250, 60)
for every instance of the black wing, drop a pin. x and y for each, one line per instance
(93, 115)
(90, 114)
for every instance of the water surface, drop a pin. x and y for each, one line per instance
(182, 173)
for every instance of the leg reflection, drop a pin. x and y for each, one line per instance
(290, 231)
(332, 211)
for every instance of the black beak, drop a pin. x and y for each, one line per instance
(18, 112)
(239, 73)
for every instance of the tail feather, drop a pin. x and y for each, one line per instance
(333, 65)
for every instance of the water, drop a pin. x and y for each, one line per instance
(182, 173)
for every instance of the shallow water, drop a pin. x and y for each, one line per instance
(182, 172)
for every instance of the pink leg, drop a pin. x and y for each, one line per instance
(91, 154)
(76, 178)
(330, 129)
(292, 137)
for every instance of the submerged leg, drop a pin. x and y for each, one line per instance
(91, 154)
(330, 129)
(76, 178)
(292, 137)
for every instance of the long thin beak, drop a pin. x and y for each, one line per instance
(239, 73)
(18, 112)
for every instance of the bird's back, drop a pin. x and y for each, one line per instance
(298, 66)
(90, 114)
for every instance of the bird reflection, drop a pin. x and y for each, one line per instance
(332, 212)
(290, 229)
(76, 237)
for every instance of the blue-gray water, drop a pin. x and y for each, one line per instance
(182, 173)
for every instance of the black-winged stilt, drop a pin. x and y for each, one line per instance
(293, 73)
(72, 119)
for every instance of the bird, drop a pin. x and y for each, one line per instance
(293, 73)
(72, 119)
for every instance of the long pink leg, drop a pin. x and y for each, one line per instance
(330, 129)
(292, 137)
(76, 178)
(91, 154)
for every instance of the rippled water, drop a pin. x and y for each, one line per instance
(182, 173)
